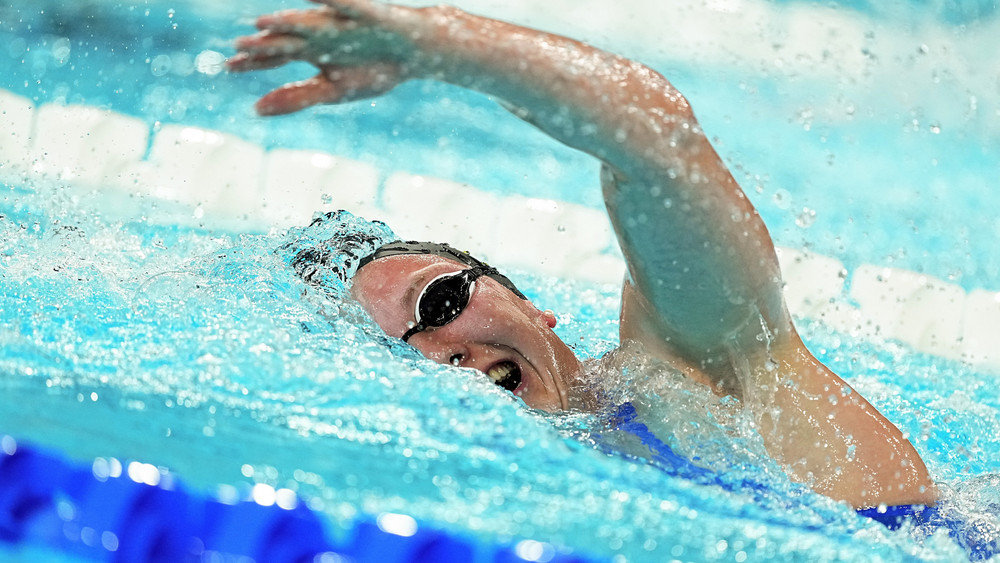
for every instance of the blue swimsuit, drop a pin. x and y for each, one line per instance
(979, 541)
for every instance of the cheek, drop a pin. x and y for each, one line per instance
(385, 314)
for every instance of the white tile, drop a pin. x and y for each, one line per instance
(589, 230)
(218, 173)
(424, 208)
(298, 184)
(981, 329)
(812, 281)
(86, 145)
(547, 236)
(919, 310)
(845, 318)
(598, 267)
(16, 115)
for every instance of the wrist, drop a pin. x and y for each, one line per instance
(440, 39)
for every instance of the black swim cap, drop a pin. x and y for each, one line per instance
(399, 247)
(327, 253)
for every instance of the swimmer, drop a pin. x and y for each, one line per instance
(703, 291)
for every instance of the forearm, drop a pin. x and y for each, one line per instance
(615, 109)
(827, 434)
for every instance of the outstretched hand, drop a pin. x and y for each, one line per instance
(359, 47)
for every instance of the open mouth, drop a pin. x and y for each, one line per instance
(506, 374)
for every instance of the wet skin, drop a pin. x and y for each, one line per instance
(495, 328)
(704, 291)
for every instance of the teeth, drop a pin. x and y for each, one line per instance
(506, 375)
(498, 372)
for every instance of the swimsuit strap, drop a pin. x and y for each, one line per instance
(980, 540)
(626, 419)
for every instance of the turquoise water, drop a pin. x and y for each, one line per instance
(199, 351)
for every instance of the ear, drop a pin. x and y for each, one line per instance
(550, 318)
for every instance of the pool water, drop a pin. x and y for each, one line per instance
(199, 352)
(196, 348)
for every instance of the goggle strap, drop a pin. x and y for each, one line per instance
(419, 327)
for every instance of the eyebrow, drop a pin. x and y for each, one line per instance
(410, 294)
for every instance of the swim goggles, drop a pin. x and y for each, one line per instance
(444, 298)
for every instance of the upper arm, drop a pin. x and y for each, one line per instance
(702, 268)
(697, 252)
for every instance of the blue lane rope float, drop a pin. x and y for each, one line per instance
(72, 508)
(86, 512)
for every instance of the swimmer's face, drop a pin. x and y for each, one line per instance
(496, 333)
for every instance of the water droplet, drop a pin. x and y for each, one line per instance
(209, 62)
(782, 199)
(806, 218)
(160, 65)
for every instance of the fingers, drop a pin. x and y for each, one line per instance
(264, 50)
(358, 9)
(269, 43)
(244, 62)
(298, 95)
(301, 22)
(333, 85)
(365, 81)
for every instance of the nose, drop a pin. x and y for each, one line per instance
(442, 351)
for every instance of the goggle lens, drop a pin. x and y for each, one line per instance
(444, 298)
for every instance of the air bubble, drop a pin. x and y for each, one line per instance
(782, 199)
(160, 65)
(209, 62)
(806, 218)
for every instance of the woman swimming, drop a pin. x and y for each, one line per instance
(703, 290)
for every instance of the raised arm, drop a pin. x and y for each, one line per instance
(704, 288)
(697, 251)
